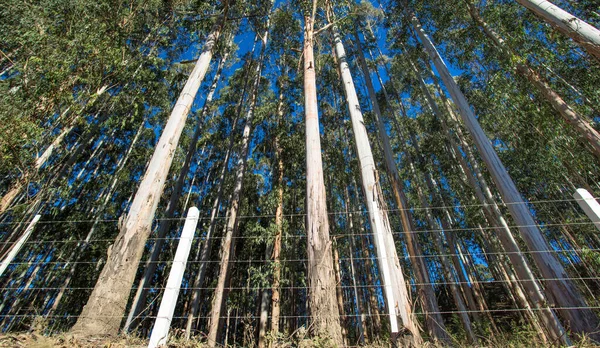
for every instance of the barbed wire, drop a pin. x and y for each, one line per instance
(304, 214)
(420, 231)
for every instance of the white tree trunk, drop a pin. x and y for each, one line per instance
(143, 287)
(19, 244)
(580, 31)
(435, 322)
(394, 285)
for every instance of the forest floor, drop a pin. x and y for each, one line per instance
(33, 340)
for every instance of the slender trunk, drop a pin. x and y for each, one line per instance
(103, 313)
(275, 297)
(14, 250)
(579, 124)
(580, 31)
(339, 292)
(368, 269)
(263, 308)
(395, 290)
(204, 252)
(435, 322)
(228, 243)
(362, 325)
(447, 268)
(17, 187)
(8, 198)
(325, 321)
(561, 291)
(553, 329)
(139, 299)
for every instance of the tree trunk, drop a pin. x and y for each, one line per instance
(228, 243)
(275, 297)
(339, 292)
(394, 285)
(139, 299)
(446, 266)
(561, 290)
(579, 124)
(204, 252)
(435, 322)
(362, 325)
(580, 31)
(103, 313)
(325, 321)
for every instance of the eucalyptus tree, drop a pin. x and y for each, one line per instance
(435, 323)
(286, 32)
(143, 287)
(579, 123)
(49, 62)
(228, 244)
(322, 290)
(103, 311)
(561, 291)
(397, 299)
(580, 31)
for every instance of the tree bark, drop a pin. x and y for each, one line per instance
(276, 297)
(325, 321)
(339, 292)
(103, 313)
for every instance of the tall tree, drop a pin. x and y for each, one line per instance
(578, 122)
(228, 243)
(325, 321)
(435, 322)
(103, 312)
(397, 299)
(560, 288)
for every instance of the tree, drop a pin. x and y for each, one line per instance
(561, 290)
(103, 311)
(322, 304)
(397, 299)
(581, 32)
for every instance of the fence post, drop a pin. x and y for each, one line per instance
(19, 244)
(160, 331)
(589, 205)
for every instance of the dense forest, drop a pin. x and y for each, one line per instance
(349, 173)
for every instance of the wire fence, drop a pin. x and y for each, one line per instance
(358, 286)
(475, 253)
(456, 206)
(499, 310)
(34, 284)
(300, 236)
